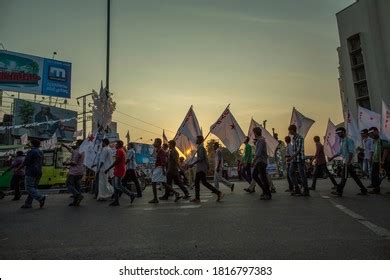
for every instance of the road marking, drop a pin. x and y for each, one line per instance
(325, 197)
(172, 208)
(380, 231)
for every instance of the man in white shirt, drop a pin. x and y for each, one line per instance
(367, 144)
(105, 190)
(131, 166)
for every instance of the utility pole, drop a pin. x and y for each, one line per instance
(108, 46)
(84, 98)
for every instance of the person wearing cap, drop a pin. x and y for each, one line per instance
(173, 175)
(218, 166)
(298, 162)
(76, 172)
(347, 150)
(202, 166)
(378, 159)
(320, 164)
(367, 143)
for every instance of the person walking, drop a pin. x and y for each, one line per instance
(289, 153)
(347, 150)
(105, 190)
(182, 171)
(17, 178)
(218, 166)
(378, 159)
(367, 145)
(131, 166)
(202, 166)
(298, 163)
(173, 175)
(159, 172)
(76, 172)
(247, 161)
(320, 165)
(119, 166)
(33, 164)
(260, 165)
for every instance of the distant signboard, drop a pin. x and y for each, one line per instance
(26, 112)
(33, 74)
(144, 154)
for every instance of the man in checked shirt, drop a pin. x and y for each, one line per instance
(298, 162)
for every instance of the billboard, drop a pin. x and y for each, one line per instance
(144, 154)
(26, 112)
(33, 74)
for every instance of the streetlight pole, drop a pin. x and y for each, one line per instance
(108, 45)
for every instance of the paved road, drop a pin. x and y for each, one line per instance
(241, 227)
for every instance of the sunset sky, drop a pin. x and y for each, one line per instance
(262, 56)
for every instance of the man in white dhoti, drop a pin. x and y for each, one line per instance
(105, 190)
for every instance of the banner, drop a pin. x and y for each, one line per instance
(385, 121)
(272, 143)
(331, 140)
(227, 129)
(368, 118)
(42, 121)
(187, 133)
(32, 74)
(303, 123)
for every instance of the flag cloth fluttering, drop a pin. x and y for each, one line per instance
(385, 121)
(187, 133)
(351, 127)
(227, 129)
(368, 118)
(303, 123)
(272, 143)
(331, 140)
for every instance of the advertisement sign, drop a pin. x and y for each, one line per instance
(32, 74)
(26, 112)
(144, 154)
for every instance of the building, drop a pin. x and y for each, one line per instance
(364, 55)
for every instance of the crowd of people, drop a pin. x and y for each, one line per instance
(112, 177)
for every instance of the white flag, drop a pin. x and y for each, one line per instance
(368, 118)
(272, 143)
(187, 133)
(385, 121)
(331, 141)
(24, 139)
(227, 129)
(303, 123)
(351, 127)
